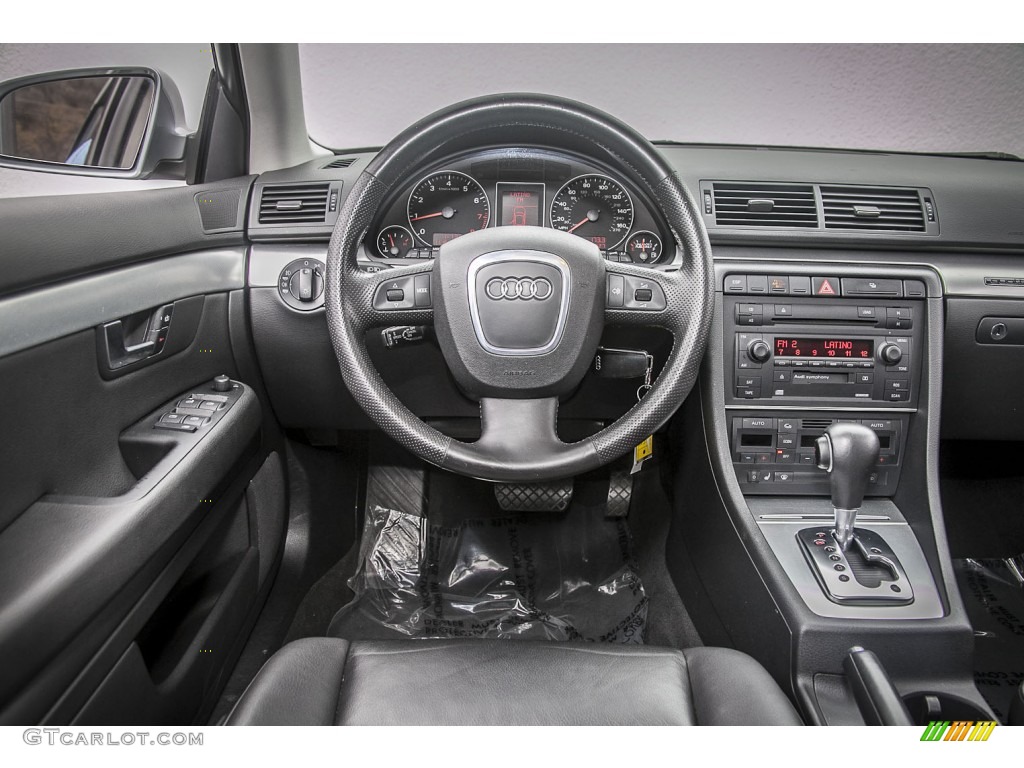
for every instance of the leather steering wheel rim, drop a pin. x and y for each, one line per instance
(507, 452)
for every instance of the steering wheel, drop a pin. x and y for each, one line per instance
(518, 311)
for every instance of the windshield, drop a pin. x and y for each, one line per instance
(910, 98)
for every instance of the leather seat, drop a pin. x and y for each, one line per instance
(327, 681)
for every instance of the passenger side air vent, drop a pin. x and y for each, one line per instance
(873, 209)
(294, 204)
(738, 204)
(340, 162)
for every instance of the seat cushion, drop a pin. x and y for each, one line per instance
(327, 681)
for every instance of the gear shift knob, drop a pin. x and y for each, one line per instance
(848, 452)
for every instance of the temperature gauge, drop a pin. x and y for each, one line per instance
(644, 247)
(394, 242)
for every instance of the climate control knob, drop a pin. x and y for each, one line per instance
(759, 351)
(889, 353)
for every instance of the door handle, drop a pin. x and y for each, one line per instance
(137, 337)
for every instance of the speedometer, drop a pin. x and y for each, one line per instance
(594, 207)
(446, 205)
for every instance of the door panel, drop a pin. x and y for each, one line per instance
(116, 534)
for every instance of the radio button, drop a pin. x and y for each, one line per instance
(868, 312)
(748, 381)
(815, 363)
(799, 285)
(757, 422)
(759, 351)
(757, 284)
(748, 392)
(866, 364)
(748, 319)
(849, 364)
(783, 310)
(825, 286)
(890, 353)
(914, 289)
(865, 378)
(746, 308)
(897, 395)
(897, 384)
(832, 363)
(781, 377)
(856, 286)
(736, 284)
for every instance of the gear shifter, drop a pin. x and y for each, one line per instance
(857, 566)
(848, 452)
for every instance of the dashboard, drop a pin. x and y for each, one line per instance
(513, 187)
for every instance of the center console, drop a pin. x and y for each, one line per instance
(825, 550)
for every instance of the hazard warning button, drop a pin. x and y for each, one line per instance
(825, 286)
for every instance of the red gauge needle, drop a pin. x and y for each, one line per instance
(578, 224)
(427, 216)
(392, 239)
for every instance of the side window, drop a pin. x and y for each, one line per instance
(91, 122)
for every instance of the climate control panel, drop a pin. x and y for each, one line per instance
(774, 454)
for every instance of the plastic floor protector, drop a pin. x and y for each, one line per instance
(568, 576)
(994, 598)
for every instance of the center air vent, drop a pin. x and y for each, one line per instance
(294, 204)
(872, 209)
(739, 204)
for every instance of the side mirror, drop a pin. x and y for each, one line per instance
(124, 122)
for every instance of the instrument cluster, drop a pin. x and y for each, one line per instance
(519, 188)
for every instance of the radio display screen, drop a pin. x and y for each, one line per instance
(853, 349)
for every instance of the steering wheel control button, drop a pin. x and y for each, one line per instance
(301, 284)
(421, 291)
(518, 301)
(408, 292)
(644, 294)
(616, 291)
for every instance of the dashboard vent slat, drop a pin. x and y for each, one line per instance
(898, 210)
(339, 162)
(294, 203)
(746, 204)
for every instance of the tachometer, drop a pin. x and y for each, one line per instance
(446, 205)
(594, 207)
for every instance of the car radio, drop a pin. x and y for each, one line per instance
(842, 347)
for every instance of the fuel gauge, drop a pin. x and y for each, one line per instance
(394, 242)
(644, 247)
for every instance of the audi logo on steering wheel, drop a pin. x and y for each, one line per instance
(512, 288)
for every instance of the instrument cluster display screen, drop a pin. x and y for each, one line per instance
(520, 205)
(852, 349)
